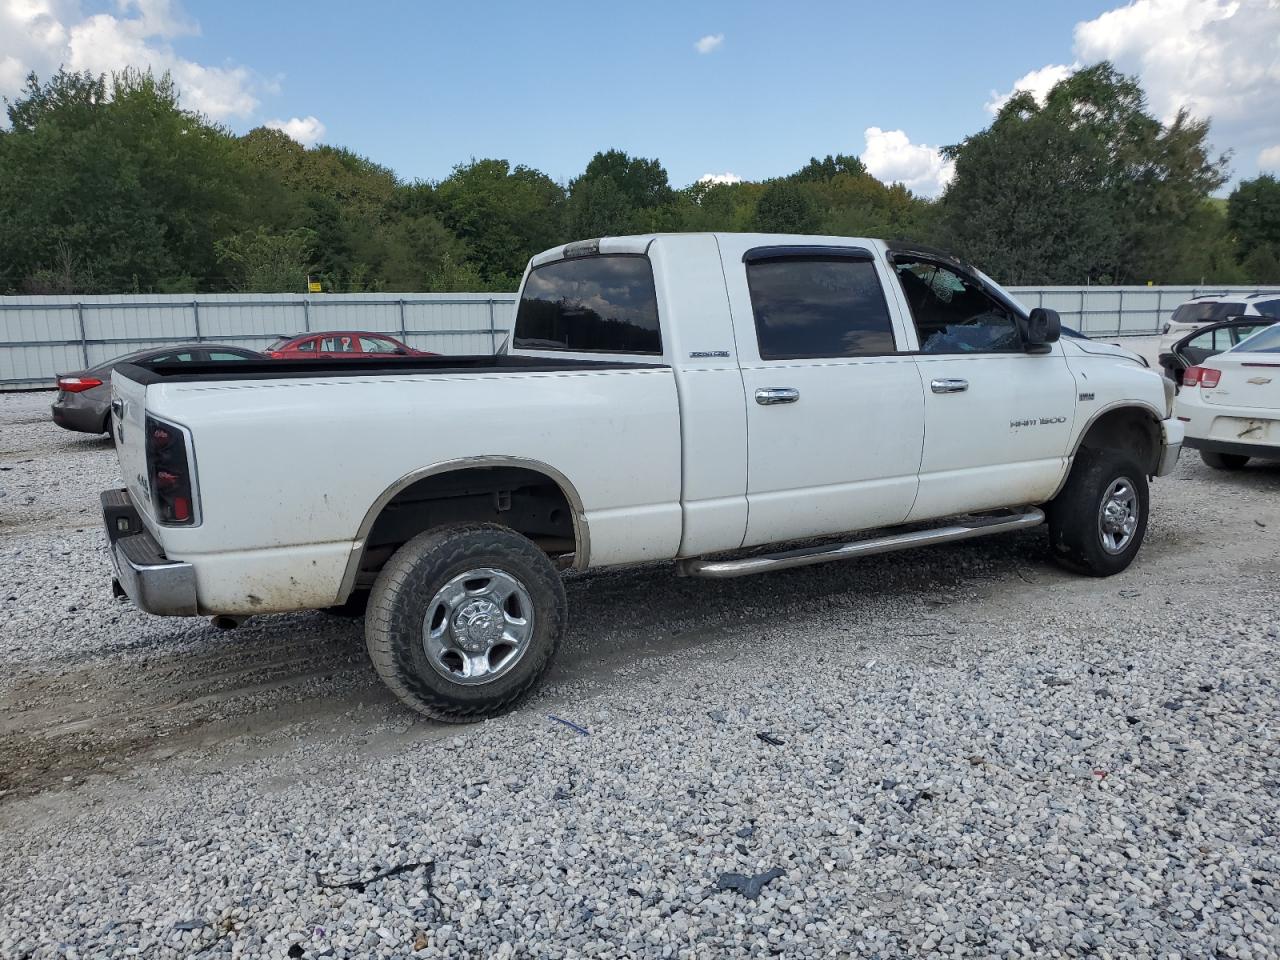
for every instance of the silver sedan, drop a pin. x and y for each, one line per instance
(84, 397)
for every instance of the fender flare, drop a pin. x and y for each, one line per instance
(581, 529)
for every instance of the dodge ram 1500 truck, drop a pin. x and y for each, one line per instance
(737, 403)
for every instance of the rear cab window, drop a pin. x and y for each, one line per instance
(602, 303)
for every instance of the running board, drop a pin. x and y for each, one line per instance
(766, 563)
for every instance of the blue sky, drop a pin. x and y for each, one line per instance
(420, 87)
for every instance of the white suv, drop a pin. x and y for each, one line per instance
(1194, 314)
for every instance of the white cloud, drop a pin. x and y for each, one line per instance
(715, 178)
(42, 35)
(306, 130)
(1269, 159)
(708, 43)
(892, 157)
(1038, 83)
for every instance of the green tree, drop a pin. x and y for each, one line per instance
(1253, 217)
(262, 262)
(116, 178)
(1086, 187)
(502, 214)
(787, 207)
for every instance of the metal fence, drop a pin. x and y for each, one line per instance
(1122, 311)
(41, 337)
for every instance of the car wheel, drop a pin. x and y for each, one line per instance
(1098, 521)
(1223, 461)
(464, 620)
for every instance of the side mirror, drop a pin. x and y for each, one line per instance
(1042, 328)
(401, 352)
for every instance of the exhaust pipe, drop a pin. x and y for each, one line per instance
(225, 621)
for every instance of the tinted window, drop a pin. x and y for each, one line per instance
(308, 345)
(1206, 311)
(1268, 308)
(819, 308)
(225, 355)
(953, 314)
(603, 303)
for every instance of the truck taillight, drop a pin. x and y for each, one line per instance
(169, 470)
(1206, 377)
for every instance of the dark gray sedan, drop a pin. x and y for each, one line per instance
(84, 397)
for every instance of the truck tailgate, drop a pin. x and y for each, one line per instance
(128, 426)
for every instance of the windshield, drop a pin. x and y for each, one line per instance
(1206, 311)
(1266, 340)
(277, 344)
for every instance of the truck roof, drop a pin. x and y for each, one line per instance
(639, 243)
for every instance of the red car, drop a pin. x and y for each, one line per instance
(339, 344)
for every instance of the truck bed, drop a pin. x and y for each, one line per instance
(212, 371)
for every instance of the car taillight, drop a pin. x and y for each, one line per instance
(169, 469)
(78, 384)
(1206, 377)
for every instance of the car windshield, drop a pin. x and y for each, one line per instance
(1206, 311)
(277, 344)
(1264, 341)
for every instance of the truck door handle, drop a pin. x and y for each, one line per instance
(767, 396)
(117, 407)
(949, 386)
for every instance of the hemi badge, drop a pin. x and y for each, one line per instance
(1260, 381)
(1086, 396)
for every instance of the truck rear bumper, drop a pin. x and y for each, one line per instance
(151, 580)
(1173, 438)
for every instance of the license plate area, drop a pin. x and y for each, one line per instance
(1244, 429)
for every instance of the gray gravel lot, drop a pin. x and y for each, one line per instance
(977, 754)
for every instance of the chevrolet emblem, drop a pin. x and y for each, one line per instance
(1260, 381)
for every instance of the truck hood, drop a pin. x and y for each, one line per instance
(1099, 348)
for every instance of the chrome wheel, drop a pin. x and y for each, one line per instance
(1118, 515)
(478, 626)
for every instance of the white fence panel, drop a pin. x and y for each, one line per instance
(41, 337)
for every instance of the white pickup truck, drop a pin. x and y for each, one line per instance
(737, 403)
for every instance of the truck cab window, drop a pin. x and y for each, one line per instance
(953, 314)
(819, 308)
(603, 304)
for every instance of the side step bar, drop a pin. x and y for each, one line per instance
(805, 556)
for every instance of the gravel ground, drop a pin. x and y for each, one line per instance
(956, 751)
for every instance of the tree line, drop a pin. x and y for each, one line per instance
(109, 185)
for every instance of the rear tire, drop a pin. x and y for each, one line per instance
(1223, 461)
(1098, 521)
(464, 620)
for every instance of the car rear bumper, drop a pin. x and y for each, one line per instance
(1263, 451)
(143, 573)
(82, 418)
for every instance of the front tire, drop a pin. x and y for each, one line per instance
(1223, 461)
(464, 620)
(1098, 521)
